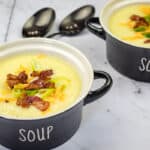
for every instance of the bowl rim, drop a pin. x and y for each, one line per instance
(124, 2)
(49, 41)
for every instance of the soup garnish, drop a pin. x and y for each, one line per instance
(132, 24)
(142, 24)
(31, 89)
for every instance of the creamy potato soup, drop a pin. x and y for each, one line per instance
(37, 85)
(132, 24)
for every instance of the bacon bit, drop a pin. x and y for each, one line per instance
(139, 21)
(43, 74)
(135, 18)
(35, 74)
(39, 84)
(36, 101)
(147, 41)
(41, 81)
(41, 105)
(12, 80)
(11, 77)
(22, 77)
(6, 101)
(12, 83)
(24, 101)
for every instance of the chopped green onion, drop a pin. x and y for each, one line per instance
(31, 92)
(147, 18)
(17, 92)
(140, 29)
(47, 92)
(35, 66)
(147, 34)
(60, 81)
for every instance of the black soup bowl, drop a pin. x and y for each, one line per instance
(130, 60)
(53, 130)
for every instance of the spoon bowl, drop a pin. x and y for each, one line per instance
(39, 24)
(74, 23)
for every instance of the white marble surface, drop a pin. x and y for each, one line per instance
(118, 121)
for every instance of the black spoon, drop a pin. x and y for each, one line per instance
(74, 23)
(71, 25)
(39, 24)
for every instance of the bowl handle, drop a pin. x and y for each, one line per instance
(99, 31)
(94, 95)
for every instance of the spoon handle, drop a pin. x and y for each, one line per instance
(54, 34)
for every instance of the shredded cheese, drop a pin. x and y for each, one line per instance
(145, 9)
(135, 37)
(129, 24)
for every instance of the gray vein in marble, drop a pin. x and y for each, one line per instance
(138, 91)
(105, 62)
(108, 110)
(144, 112)
(5, 4)
(10, 19)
